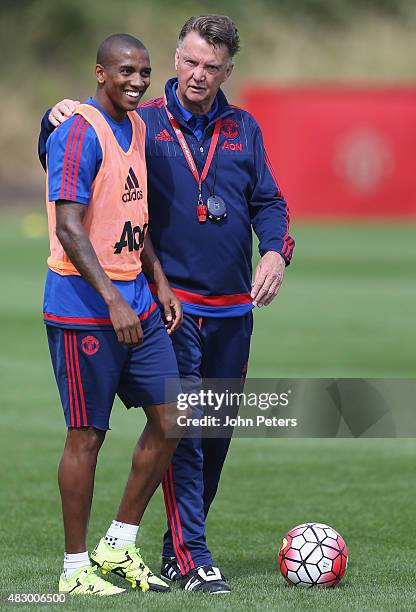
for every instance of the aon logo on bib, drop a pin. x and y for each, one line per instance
(132, 238)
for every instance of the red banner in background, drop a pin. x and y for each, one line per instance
(341, 152)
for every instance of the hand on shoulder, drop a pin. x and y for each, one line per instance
(62, 111)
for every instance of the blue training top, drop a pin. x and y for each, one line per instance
(70, 301)
(209, 264)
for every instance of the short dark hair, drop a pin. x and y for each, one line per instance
(215, 29)
(112, 43)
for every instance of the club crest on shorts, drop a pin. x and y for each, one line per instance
(90, 345)
(230, 129)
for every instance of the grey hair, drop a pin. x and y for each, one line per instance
(215, 29)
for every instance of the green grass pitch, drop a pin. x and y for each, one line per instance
(346, 309)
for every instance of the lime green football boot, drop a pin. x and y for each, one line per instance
(127, 563)
(85, 581)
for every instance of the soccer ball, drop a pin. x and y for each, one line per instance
(313, 554)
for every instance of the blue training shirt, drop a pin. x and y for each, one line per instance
(70, 301)
(209, 264)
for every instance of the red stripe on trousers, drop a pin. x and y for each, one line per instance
(68, 144)
(68, 372)
(94, 321)
(74, 149)
(74, 386)
(77, 320)
(74, 181)
(183, 565)
(184, 548)
(80, 387)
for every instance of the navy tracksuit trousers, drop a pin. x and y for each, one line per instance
(205, 347)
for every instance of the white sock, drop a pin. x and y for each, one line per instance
(120, 535)
(72, 562)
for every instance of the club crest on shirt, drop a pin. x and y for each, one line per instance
(90, 345)
(230, 129)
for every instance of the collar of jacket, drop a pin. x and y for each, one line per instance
(223, 110)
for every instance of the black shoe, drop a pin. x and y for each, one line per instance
(170, 569)
(207, 579)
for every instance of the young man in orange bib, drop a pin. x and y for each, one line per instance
(105, 334)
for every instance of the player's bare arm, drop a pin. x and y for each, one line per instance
(80, 251)
(268, 278)
(171, 304)
(62, 111)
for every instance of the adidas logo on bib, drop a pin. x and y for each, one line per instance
(132, 188)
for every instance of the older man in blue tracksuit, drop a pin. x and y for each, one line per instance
(209, 183)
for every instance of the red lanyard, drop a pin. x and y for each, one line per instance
(187, 151)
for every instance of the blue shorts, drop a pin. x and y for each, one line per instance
(92, 367)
